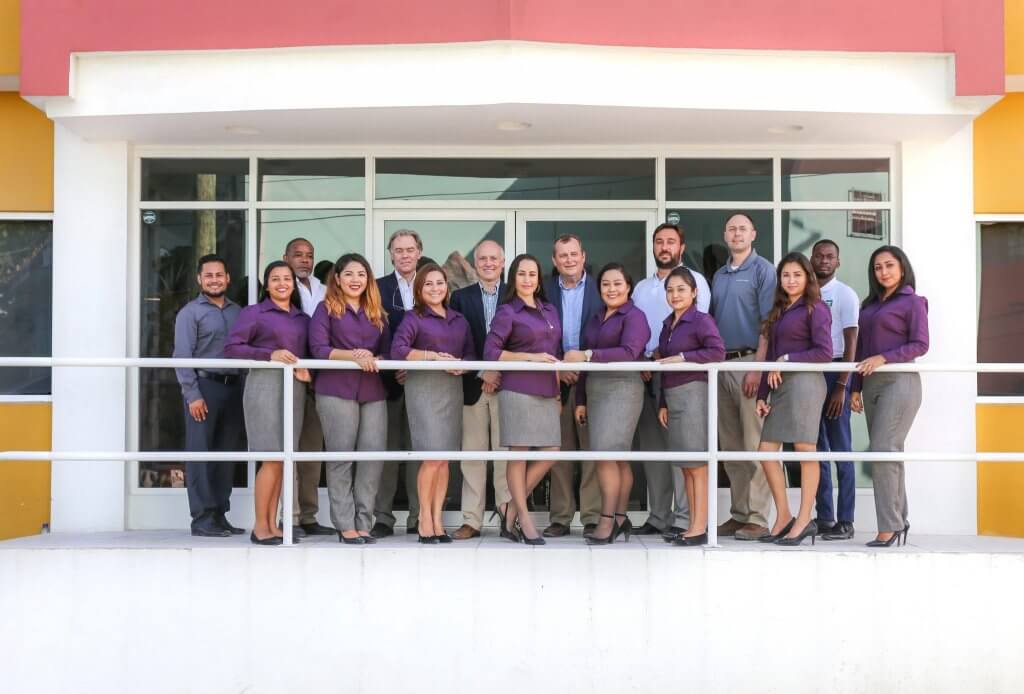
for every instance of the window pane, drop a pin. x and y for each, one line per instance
(718, 179)
(312, 180)
(172, 242)
(195, 179)
(705, 247)
(1001, 305)
(515, 179)
(450, 243)
(26, 301)
(623, 242)
(835, 180)
(332, 234)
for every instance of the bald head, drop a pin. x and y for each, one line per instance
(488, 261)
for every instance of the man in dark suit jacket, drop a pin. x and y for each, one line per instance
(576, 296)
(405, 248)
(478, 303)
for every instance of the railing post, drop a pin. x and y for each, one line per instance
(712, 455)
(288, 482)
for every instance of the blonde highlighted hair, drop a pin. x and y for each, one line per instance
(370, 300)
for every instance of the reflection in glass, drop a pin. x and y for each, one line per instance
(450, 243)
(705, 247)
(26, 303)
(312, 180)
(718, 179)
(835, 180)
(1001, 305)
(623, 242)
(515, 179)
(195, 179)
(332, 233)
(171, 244)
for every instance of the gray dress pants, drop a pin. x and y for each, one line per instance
(891, 401)
(398, 440)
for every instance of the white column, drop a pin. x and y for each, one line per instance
(939, 236)
(90, 270)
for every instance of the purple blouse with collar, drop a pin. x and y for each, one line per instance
(519, 328)
(430, 331)
(896, 328)
(803, 335)
(350, 330)
(696, 337)
(622, 336)
(263, 328)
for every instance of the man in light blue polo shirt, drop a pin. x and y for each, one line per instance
(742, 294)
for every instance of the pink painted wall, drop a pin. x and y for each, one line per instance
(971, 29)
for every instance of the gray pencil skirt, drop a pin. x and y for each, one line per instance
(529, 420)
(261, 402)
(688, 419)
(433, 400)
(614, 403)
(796, 408)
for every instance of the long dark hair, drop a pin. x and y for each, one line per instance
(510, 287)
(812, 292)
(875, 289)
(295, 299)
(421, 279)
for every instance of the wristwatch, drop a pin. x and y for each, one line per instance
(588, 354)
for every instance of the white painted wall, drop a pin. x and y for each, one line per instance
(90, 309)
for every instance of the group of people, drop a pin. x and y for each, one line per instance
(751, 311)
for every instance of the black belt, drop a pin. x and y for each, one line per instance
(226, 379)
(738, 353)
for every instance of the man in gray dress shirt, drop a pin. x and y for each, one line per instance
(213, 398)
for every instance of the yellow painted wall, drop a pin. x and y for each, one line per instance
(999, 157)
(1000, 485)
(1014, 29)
(26, 156)
(24, 486)
(10, 37)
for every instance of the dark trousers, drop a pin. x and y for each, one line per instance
(209, 484)
(834, 435)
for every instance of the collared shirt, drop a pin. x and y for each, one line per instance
(405, 289)
(696, 337)
(572, 312)
(519, 328)
(351, 330)
(490, 300)
(649, 297)
(621, 336)
(845, 307)
(263, 328)
(803, 335)
(433, 332)
(741, 299)
(200, 331)
(312, 296)
(896, 328)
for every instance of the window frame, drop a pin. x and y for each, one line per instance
(980, 219)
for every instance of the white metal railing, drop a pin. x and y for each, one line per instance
(289, 456)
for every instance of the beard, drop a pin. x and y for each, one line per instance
(214, 295)
(669, 264)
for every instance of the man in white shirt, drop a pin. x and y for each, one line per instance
(664, 481)
(300, 258)
(834, 434)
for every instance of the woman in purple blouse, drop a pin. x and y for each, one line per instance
(609, 402)
(893, 329)
(526, 328)
(798, 328)
(433, 331)
(275, 329)
(688, 335)
(350, 325)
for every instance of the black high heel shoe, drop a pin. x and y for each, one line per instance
(511, 535)
(894, 539)
(769, 538)
(535, 541)
(357, 540)
(692, 541)
(444, 538)
(623, 528)
(271, 541)
(593, 539)
(427, 539)
(811, 529)
(906, 531)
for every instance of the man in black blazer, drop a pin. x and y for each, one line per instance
(478, 303)
(405, 248)
(575, 294)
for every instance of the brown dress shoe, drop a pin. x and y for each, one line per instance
(751, 531)
(729, 528)
(556, 530)
(466, 532)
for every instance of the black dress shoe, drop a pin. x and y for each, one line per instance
(843, 530)
(297, 531)
(555, 530)
(317, 529)
(210, 530)
(271, 541)
(357, 540)
(647, 529)
(672, 533)
(222, 521)
(380, 530)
